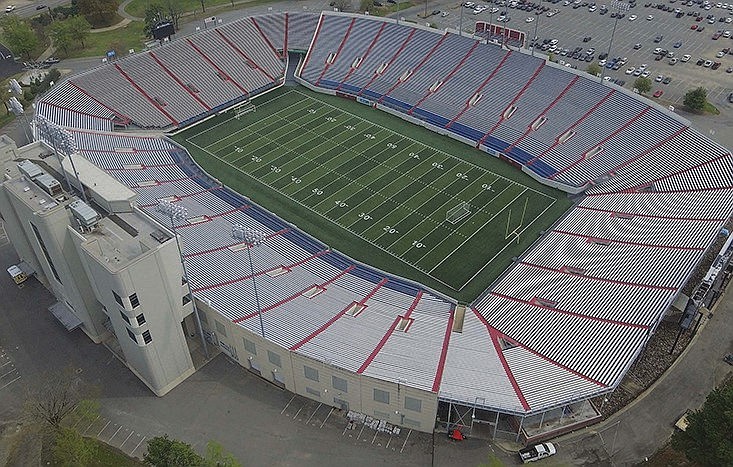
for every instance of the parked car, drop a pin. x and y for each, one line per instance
(667, 80)
(685, 58)
(715, 66)
(658, 93)
(9, 8)
(537, 452)
(658, 39)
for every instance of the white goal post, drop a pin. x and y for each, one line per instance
(457, 213)
(244, 109)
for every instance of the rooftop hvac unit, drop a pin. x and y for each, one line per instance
(84, 215)
(29, 169)
(48, 184)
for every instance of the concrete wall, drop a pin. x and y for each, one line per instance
(155, 278)
(321, 381)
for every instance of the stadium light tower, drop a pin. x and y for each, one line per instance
(174, 211)
(253, 238)
(536, 23)
(619, 6)
(62, 140)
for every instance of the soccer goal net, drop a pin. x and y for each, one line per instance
(244, 109)
(456, 214)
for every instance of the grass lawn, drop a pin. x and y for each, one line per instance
(378, 188)
(137, 7)
(121, 40)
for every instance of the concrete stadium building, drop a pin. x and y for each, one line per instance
(562, 325)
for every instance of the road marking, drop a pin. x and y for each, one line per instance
(298, 412)
(286, 405)
(118, 430)
(329, 414)
(128, 437)
(361, 431)
(406, 438)
(388, 441)
(105, 427)
(6, 374)
(314, 412)
(90, 425)
(375, 436)
(9, 383)
(138, 445)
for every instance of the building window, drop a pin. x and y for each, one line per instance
(340, 384)
(118, 299)
(134, 301)
(274, 358)
(313, 392)
(310, 373)
(220, 328)
(45, 253)
(413, 404)
(249, 346)
(186, 299)
(140, 319)
(381, 396)
(132, 336)
(124, 316)
(147, 337)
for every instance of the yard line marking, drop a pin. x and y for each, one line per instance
(287, 405)
(118, 430)
(503, 248)
(406, 438)
(455, 231)
(314, 412)
(138, 445)
(9, 383)
(254, 123)
(128, 437)
(428, 146)
(474, 232)
(428, 234)
(326, 419)
(305, 206)
(105, 427)
(439, 223)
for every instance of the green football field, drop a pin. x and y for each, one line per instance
(378, 189)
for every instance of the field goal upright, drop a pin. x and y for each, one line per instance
(457, 213)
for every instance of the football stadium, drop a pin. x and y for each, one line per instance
(417, 225)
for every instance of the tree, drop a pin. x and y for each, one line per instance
(165, 452)
(18, 35)
(643, 85)
(593, 69)
(72, 449)
(342, 5)
(54, 400)
(68, 33)
(100, 12)
(79, 28)
(708, 439)
(695, 99)
(216, 456)
(366, 5)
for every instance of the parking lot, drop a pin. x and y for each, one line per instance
(571, 25)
